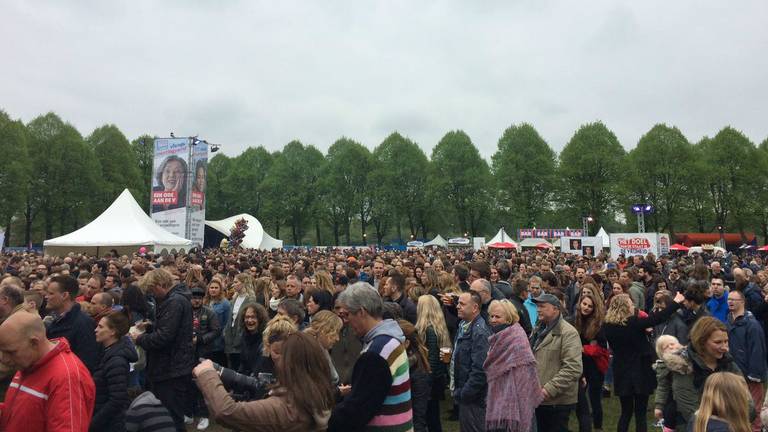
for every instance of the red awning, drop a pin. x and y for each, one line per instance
(697, 239)
(503, 245)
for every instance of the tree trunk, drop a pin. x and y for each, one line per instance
(336, 233)
(317, 231)
(48, 224)
(28, 224)
(7, 241)
(347, 234)
(295, 234)
(277, 228)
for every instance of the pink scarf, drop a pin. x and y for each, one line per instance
(514, 391)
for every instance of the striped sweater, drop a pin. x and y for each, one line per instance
(381, 388)
(396, 413)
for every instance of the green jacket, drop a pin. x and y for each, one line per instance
(683, 374)
(558, 359)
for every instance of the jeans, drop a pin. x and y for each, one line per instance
(173, 393)
(553, 418)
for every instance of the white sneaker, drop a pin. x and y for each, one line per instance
(203, 425)
(188, 420)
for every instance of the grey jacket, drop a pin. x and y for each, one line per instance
(558, 357)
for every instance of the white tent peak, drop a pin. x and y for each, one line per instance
(606, 238)
(501, 236)
(255, 236)
(437, 241)
(122, 225)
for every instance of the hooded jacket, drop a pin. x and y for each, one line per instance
(381, 388)
(688, 374)
(58, 383)
(111, 380)
(747, 346)
(170, 353)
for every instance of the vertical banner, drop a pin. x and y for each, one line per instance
(170, 182)
(199, 173)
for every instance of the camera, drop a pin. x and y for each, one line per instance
(245, 387)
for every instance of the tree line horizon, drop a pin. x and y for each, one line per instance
(56, 180)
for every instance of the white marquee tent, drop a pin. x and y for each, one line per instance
(123, 226)
(437, 241)
(255, 236)
(606, 238)
(501, 237)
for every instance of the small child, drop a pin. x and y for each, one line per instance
(666, 408)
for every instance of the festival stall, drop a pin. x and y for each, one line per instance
(124, 227)
(437, 241)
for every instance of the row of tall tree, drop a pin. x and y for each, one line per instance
(56, 180)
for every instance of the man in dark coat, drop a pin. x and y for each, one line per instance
(71, 322)
(170, 354)
(471, 349)
(395, 290)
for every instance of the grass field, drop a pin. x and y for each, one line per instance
(610, 418)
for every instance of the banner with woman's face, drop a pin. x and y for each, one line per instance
(170, 183)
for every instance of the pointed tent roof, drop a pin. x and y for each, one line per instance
(123, 225)
(501, 237)
(437, 241)
(604, 235)
(255, 236)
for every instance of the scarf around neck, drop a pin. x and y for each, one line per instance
(513, 384)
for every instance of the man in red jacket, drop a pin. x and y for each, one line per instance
(52, 390)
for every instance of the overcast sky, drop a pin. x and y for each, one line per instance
(247, 73)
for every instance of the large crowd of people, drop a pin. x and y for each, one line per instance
(374, 340)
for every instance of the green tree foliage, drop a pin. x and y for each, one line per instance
(461, 177)
(15, 171)
(591, 167)
(732, 163)
(243, 179)
(344, 186)
(218, 204)
(143, 149)
(119, 167)
(400, 177)
(56, 181)
(524, 170)
(293, 180)
(65, 179)
(657, 172)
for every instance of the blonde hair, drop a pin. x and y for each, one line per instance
(662, 341)
(324, 322)
(249, 288)
(279, 328)
(447, 283)
(323, 281)
(619, 310)
(429, 314)
(156, 277)
(726, 396)
(507, 309)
